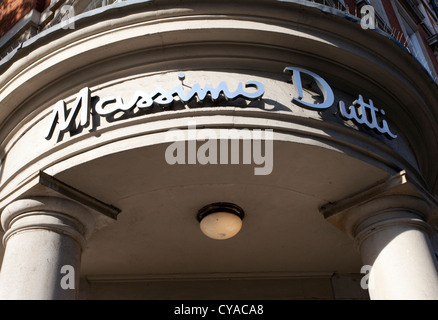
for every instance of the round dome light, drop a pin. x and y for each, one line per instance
(221, 220)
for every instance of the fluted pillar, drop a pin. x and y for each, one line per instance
(43, 240)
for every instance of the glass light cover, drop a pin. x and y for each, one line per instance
(221, 225)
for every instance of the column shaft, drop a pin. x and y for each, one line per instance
(43, 244)
(402, 260)
(32, 266)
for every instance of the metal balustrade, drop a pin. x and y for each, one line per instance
(60, 11)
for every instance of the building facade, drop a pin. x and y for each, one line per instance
(122, 123)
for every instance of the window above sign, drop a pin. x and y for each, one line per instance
(413, 39)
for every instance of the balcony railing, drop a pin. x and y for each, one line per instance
(60, 11)
(34, 22)
(100, 3)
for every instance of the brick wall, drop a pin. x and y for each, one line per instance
(390, 12)
(352, 8)
(428, 48)
(11, 11)
(393, 21)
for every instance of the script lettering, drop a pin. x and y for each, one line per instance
(111, 105)
(66, 123)
(360, 112)
(327, 92)
(363, 113)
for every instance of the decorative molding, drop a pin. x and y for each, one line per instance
(412, 8)
(50, 213)
(395, 184)
(207, 276)
(407, 222)
(398, 193)
(77, 195)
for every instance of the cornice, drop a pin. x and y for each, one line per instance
(257, 36)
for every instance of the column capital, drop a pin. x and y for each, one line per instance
(391, 217)
(392, 224)
(382, 211)
(397, 197)
(51, 213)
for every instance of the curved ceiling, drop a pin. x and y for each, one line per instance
(283, 231)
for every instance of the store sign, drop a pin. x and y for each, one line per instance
(362, 113)
(109, 106)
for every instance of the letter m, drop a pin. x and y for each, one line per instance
(66, 118)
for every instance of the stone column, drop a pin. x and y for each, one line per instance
(43, 240)
(395, 241)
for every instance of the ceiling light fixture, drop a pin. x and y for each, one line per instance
(220, 220)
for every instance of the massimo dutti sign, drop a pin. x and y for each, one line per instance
(362, 113)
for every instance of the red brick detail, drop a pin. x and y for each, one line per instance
(12, 11)
(395, 24)
(393, 21)
(428, 48)
(352, 7)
